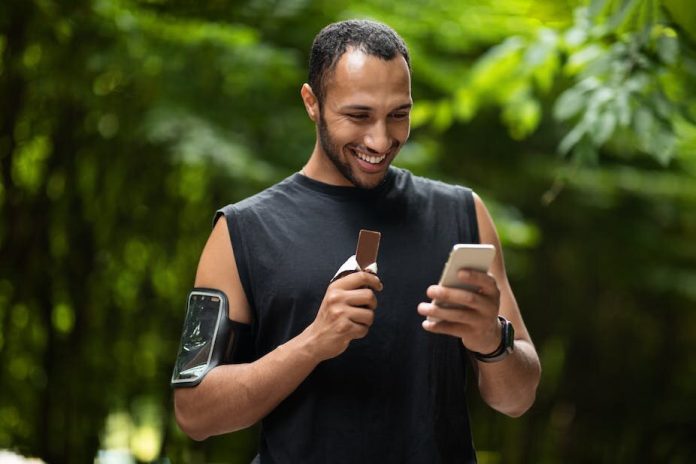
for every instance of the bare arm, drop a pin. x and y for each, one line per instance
(509, 385)
(236, 396)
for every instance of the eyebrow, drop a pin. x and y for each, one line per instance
(405, 106)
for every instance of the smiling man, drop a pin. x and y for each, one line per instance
(351, 370)
(363, 122)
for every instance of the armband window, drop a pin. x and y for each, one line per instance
(209, 338)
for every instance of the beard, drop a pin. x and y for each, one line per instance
(333, 152)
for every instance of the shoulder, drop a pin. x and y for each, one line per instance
(487, 231)
(270, 194)
(428, 190)
(406, 179)
(217, 268)
(270, 199)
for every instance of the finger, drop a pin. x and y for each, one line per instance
(371, 280)
(358, 280)
(442, 327)
(364, 317)
(456, 315)
(483, 282)
(362, 297)
(359, 331)
(454, 296)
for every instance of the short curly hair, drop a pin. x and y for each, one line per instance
(331, 43)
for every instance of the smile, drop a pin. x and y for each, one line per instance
(368, 158)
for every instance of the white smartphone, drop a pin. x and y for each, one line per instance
(464, 256)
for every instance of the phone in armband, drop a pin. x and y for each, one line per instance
(205, 340)
(465, 256)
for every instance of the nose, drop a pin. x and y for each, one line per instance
(378, 139)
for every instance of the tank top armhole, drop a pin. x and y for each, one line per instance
(470, 216)
(240, 258)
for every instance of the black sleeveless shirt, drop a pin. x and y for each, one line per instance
(396, 396)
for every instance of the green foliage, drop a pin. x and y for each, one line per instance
(627, 76)
(623, 86)
(126, 123)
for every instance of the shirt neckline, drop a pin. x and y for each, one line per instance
(343, 191)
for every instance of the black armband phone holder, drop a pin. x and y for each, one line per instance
(209, 338)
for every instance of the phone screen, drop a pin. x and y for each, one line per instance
(198, 337)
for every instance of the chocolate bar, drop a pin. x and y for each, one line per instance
(368, 246)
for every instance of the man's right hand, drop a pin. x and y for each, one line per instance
(346, 313)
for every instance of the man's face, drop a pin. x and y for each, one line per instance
(365, 117)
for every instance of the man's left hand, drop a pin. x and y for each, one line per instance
(471, 314)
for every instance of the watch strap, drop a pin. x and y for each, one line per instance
(507, 344)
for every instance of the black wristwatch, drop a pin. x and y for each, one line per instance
(507, 344)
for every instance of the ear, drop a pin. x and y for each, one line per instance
(310, 102)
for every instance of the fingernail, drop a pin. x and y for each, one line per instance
(464, 274)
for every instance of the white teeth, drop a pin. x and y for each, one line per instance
(370, 159)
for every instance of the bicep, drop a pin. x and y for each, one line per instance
(508, 304)
(217, 269)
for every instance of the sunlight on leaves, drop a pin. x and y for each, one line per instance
(29, 162)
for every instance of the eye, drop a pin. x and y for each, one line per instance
(359, 116)
(400, 115)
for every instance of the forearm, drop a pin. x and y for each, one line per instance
(236, 396)
(510, 385)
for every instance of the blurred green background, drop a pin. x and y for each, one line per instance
(124, 124)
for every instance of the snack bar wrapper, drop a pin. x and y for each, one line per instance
(365, 257)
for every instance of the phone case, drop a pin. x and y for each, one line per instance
(466, 256)
(205, 340)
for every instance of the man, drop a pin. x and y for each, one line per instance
(364, 368)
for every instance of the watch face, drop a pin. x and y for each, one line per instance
(509, 336)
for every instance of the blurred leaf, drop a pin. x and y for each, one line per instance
(522, 116)
(603, 127)
(668, 48)
(442, 115)
(569, 104)
(29, 161)
(683, 13)
(572, 138)
(584, 151)
(580, 59)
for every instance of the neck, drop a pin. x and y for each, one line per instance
(320, 168)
